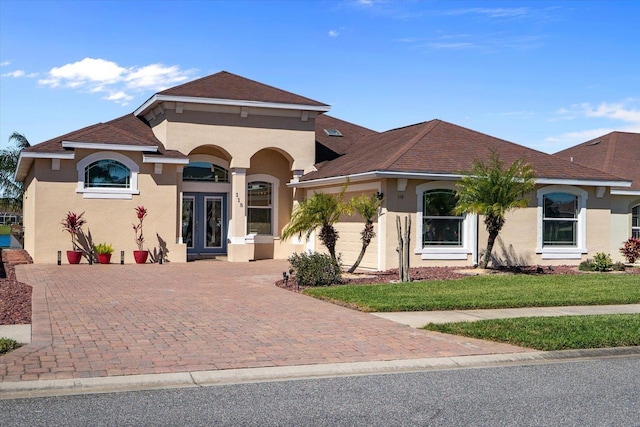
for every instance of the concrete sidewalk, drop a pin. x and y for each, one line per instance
(418, 319)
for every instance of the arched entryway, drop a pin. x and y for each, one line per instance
(205, 193)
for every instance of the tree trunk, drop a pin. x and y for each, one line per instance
(407, 251)
(367, 235)
(400, 249)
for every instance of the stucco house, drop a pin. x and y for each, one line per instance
(617, 153)
(220, 162)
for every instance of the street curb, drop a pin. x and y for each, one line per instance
(31, 389)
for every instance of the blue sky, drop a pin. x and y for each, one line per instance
(546, 75)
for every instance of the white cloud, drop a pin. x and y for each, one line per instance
(615, 111)
(618, 116)
(86, 71)
(333, 33)
(156, 77)
(16, 74)
(5, 63)
(119, 97)
(95, 75)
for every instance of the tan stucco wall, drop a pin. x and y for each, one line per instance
(621, 223)
(240, 137)
(108, 220)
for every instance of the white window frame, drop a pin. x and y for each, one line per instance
(469, 229)
(564, 252)
(275, 189)
(107, 193)
(635, 228)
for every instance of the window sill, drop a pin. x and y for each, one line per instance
(450, 253)
(561, 253)
(260, 238)
(107, 193)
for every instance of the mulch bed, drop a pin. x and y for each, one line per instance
(15, 297)
(442, 273)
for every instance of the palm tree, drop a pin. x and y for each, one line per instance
(12, 191)
(367, 207)
(491, 190)
(321, 210)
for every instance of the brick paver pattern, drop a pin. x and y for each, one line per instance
(109, 320)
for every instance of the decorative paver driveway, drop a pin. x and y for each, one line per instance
(107, 320)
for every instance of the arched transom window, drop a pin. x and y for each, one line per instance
(107, 173)
(205, 171)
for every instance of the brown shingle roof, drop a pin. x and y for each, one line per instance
(331, 147)
(125, 130)
(224, 85)
(617, 153)
(443, 148)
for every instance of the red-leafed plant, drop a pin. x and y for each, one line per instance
(73, 223)
(141, 212)
(631, 250)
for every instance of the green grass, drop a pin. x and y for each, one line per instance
(553, 333)
(487, 292)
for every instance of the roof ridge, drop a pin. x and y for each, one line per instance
(609, 154)
(430, 125)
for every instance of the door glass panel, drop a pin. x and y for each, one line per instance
(187, 221)
(213, 215)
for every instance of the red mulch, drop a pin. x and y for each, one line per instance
(15, 297)
(442, 273)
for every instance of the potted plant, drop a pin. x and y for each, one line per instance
(103, 252)
(141, 254)
(73, 223)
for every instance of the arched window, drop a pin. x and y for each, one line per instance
(440, 225)
(441, 234)
(560, 219)
(204, 171)
(562, 222)
(259, 208)
(635, 222)
(107, 173)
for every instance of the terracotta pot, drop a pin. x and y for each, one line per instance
(140, 256)
(74, 257)
(104, 258)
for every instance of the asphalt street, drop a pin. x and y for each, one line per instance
(602, 392)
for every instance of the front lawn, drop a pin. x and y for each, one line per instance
(493, 291)
(553, 333)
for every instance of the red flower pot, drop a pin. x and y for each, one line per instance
(74, 257)
(104, 258)
(140, 256)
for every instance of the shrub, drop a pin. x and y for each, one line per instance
(602, 262)
(586, 265)
(7, 344)
(631, 250)
(315, 269)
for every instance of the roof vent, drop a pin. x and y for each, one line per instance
(332, 132)
(594, 143)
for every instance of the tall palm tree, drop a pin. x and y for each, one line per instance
(12, 191)
(492, 190)
(367, 207)
(320, 210)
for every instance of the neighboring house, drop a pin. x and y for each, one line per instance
(617, 153)
(220, 162)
